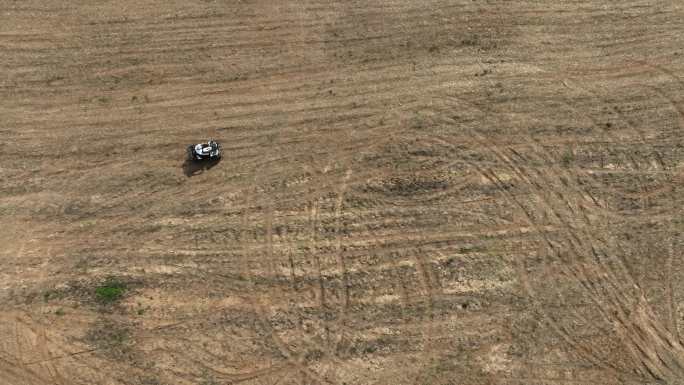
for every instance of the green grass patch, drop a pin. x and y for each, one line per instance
(110, 291)
(567, 159)
(47, 295)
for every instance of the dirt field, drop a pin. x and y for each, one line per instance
(412, 192)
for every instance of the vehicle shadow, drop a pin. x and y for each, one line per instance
(192, 168)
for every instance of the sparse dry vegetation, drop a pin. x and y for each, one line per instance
(412, 192)
(110, 291)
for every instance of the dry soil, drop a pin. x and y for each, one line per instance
(412, 192)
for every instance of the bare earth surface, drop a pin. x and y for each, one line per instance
(412, 192)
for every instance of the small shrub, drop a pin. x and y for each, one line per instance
(111, 291)
(208, 379)
(567, 158)
(471, 249)
(59, 312)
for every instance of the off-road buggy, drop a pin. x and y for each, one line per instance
(204, 151)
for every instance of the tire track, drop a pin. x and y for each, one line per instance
(46, 361)
(672, 310)
(559, 330)
(257, 303)
(585, 353)
(313, 254)
(423, 277)
(651, 367)
(342, 262)
(541, 191)
(582, 277)
(669, 280)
